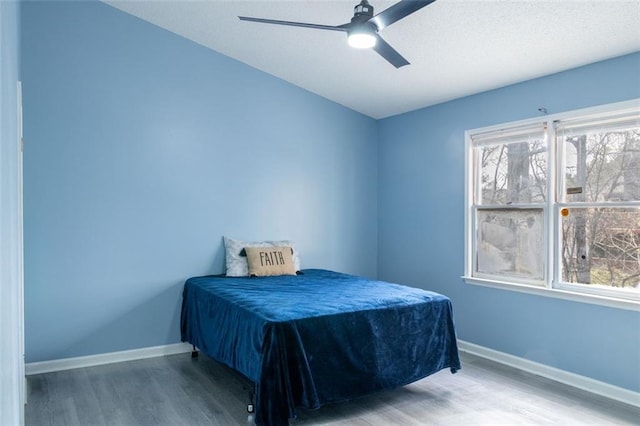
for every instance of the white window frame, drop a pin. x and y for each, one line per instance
(552, 285)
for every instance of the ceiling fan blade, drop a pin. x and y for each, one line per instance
(398, 11)
(389, 53)
(293, 24)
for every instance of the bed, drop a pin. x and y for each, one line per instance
(318, 337)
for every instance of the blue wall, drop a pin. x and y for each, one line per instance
(421, 226)
(143, 150)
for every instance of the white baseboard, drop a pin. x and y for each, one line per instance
(581, 382)
(108, 358)
(575, 380)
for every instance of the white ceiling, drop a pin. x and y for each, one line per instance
(455, 47)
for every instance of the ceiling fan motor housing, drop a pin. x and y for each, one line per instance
(362, 12)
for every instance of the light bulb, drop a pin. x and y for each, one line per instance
(361, 40)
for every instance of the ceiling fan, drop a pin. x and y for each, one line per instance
(363, 29)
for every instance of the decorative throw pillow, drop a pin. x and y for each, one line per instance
(236, 263)
(268, 261)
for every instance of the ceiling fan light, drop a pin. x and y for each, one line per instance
(361, 40)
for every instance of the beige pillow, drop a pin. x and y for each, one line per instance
(236, 257)
(267, 261)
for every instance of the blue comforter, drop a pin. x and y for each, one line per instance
(319, 337)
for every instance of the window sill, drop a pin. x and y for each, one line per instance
(631, 305)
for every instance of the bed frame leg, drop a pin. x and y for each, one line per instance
(194, 352)
(250, 406)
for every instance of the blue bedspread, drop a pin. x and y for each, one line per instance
(320, 337)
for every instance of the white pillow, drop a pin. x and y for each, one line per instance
(237, 265)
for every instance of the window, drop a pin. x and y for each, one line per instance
(553, 205)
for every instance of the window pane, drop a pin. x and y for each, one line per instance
(510, 243)
(514, 172)
(601, 246)
(602, 165)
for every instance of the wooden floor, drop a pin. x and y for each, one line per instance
(177, 390)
